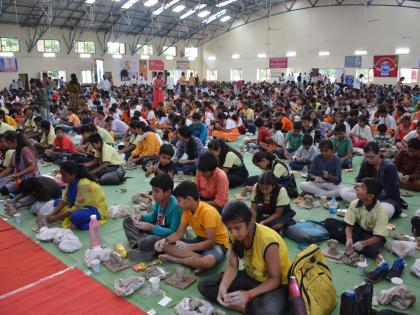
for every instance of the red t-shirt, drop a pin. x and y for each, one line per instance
(263, 133)
(65, 144)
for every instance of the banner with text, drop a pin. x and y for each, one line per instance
(8, 65)
(352, 61)
(278, 63)
(182, 65)
(156, 65)
(385, 66)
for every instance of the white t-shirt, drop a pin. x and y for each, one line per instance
(118, 126)
(278, 138)
(170, 84)
(230, 124)
(356, 83)
(364, 132)
(411, 135)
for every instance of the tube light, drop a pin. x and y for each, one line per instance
(128, 4)
(144, 57)
(165, 7)
(212, 58)
(360, 52)
(324, 53)
(90, 1)
(178, 8)
(6, 54)
(117, 56)
(262, 55)
(291, 54)
(402, 51)
(203, 14)
(193, 10)
(236, 56)
(150, 3)
(191, 58)
(49, 55)
(215, 16)
(225, 3)
(169, 58)
(225, 18)
(85, 55)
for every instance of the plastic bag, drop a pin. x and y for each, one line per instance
(415, 268)
(70, 244)
(101, 253)
(402, 248)
(47, 234)
(118, 211)
(193, 306)
(127, 286)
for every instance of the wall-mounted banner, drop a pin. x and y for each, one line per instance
(352, 61)
(182, 65)
(385, 66)
(128, 69)
(143, 68)
(275, 73)
(8, 65)
(156, 65)
(349, 79)
(278, 63)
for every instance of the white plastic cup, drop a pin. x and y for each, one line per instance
(361, 266)
(154, 283)
(18, 217)
(397, 281)
(96, 265)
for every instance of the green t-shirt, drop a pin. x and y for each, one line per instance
(342, 146)
(293, 141)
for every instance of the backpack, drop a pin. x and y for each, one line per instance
(113, 178)
(288, 182)
(315, 281)
(307, 232)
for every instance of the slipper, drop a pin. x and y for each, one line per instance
(405, 193)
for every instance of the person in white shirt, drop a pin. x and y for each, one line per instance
(385, 118)
(357, 83)
(118, 127)
(133, 81)
(304, 155)
(170, 84)
(104, 86)
(361, 133)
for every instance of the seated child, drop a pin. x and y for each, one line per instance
(262, 136)
(382, 137)
(270, 204)
(5, 153)
(211, 244)
(324, 176)
(212, 182)
(364, 226)
(62, 147)
(342, 146)
(144, 231)
(361, 133)
(47, 139)
(304, 155)
(163, 164)
(106, 158)
(293, 139)
(407, 163)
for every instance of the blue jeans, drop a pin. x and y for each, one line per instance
(188, 169)
(45, 113)
(251, 127)
(217, 251)
(280, 152)
(297, 166)
(81, 217)
(253, 146)
(346, 163)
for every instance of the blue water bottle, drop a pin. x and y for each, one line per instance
(333, 206)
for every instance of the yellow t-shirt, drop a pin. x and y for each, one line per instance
(249, 114)
(280, 171)
(374, 221)
(10, 121)
(5, 127)
(7, 158)
(231, 160)
(50, 139)
(105, 135)
(254, 260)
(109, 154)
(206, 217)
(283, 198)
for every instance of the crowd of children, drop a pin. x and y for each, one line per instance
(315, 128)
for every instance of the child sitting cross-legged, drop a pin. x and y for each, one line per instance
(163, 163)
(342, 146)
(304, 155)
(209, 247)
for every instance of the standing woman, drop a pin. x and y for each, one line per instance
(74, 89)
(261, 287)
(82, 198)
(158, 90)
(231, 161)
(23, 163)
(41, 95)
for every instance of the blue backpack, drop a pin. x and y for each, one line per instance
(307, 232)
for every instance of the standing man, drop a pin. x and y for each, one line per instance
(104, 86)
(357, 83)
(191, 83)
(170, 84)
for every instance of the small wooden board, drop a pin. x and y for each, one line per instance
(113, 269)
(188, 280)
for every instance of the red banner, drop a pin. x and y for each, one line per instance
(156, 65)
(278, 63)
(385, 66)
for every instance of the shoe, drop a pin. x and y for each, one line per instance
(378, 273)
(396, 269)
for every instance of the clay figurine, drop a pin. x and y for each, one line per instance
(332, 250)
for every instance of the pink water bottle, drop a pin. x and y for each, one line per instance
(296, 300)
(94, 232)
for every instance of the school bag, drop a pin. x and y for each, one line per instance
(358, 303)
(315, 281)
(307, 232)
(113, 178)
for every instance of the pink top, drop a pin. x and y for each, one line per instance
(216, 188)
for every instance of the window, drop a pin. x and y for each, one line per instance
(56, 74)
(235, 74)
(9, 44)
(145, 50)
(85, 47)
(330, 73)
(211, 75)
(169, 51)
(116, 48)
(263, 74)
(410, 75)
(48, 45)
(86, 76)
(191, 52)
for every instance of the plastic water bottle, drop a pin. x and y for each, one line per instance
(333, 207)
(296, 300)
(94, 232)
